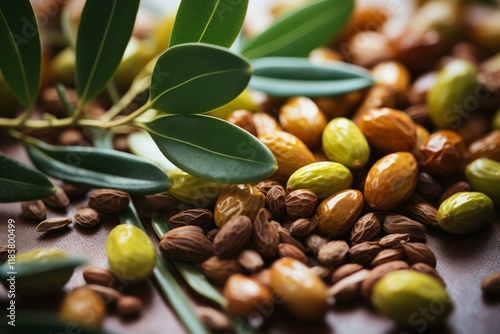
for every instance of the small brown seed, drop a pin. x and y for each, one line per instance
(108, 295)
(87, 217)
(128, 306)
(70, 137)
(301, 203)
(265, 236)
(365, 228)
(4, 253)
(215, 320)
(203, 218)
(348, 289)
(333, 253)
(232, 236)
(251, 260)
(287, 238)
(377, 273)
(427, 269)
(401, 224)
(303, 226)
(314, 242)
(364, 252)
(287, 250)
(53, 224)
(344, 271)
(266, 185)
(219, 270)
(186, 243)
(34, 209)
(109, 200)
(152, 204)
(99, 276)
(74, 191)
(453, 189)
(323, 272)
(491, 285)
(423, 212)
(58, 200)
(393, 240)
(276, 201)
(428, 187)
(387, 255)
(418, 252)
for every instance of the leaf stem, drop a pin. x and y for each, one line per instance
(61, 91)
(126, 99)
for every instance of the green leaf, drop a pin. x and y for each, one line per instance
(195, 78)
(191, 274)
(33, 270)
(21, 55)
(103, 33)
(212, 149)
(303, 30)
(100, 168)
(290, 76)
(214, 22)
(19, 182)
(167, 283)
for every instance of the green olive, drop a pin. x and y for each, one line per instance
(411, 298)
(448, 98)
(484, 176)
(464, 212)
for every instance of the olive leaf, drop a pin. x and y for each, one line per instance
(191, 274)
(21, 55)
(301, 31)
(291, 76)
(211, 148)
(99, 167)
(19, 182)
(103, 33)
(195, 78)
(33, 270)
(213, 22)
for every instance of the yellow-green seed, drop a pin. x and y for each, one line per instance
(484, 176)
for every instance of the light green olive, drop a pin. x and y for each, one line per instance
(447, 99)
(410, 297)
(62, 67)
(324, 178)
(484, 176)
(344, 142)
(464, 212)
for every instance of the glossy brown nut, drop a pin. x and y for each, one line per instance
(245, 295)
(487, 146)
(236, 200)
(388, 130)
(391, 181)
(442, 153)
(337, 213)
(395, 75)
(243, 119)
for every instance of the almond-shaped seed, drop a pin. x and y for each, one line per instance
(276, 201)
(401, 224)
(265, 236)
(218, 270)
(387, 255)
(109, 200)
(34, 209)
(427, 269)
(251, 260)
(377, 273)
(321, 271)
(428, 187)
(87, 217)
(4, 253)
(203, 218)
(348, 289)
(303, 226)
(344, 271)
(99, 276)
(333, 253)
(232, 236)
(314, 242)
(301, 203)
(366, 228)
(423, 212)
(287, 250)
(214, 319)
(393, 240)
(453, 189)
(127, 306)
(53, 224)
(74, 191)
(364, 252)
(418, 252)
(186, 243)
(491, 285)
(58, 200)
(108, 295)
(266, 185)
(287, 238)
(155, 203)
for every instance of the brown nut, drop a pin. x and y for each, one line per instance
(365, 228)
(233, 236)
(276, 201)
(203, 218)
(245, 295)
(491, 285)
(243, 119)
(186, 243)
(348, 289)
(287, 250)
(333, 253)
(109, 200)
(219, 270)
(364, 252)
(442, 153)
(251, 260)
(236, 200)
(387, 255)
(401, 224)
(377, 273)
(301, 203)
(418, 252)
(127, 306)
(265, 236)
(345, 270)
(100, 276)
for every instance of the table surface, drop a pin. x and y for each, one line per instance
(463, 261)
